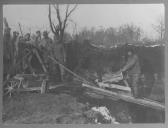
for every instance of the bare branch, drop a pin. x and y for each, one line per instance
(72, 10)
(159, 27)
(67, 9)
(54, 26)
(58, 15)
(56, 30)
(68, 13)
(51, 24)
(62, 23)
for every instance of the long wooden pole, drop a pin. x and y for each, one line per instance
(114, 95)
(40, 60)
(76, 75)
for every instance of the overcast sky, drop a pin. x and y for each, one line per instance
(33, 17)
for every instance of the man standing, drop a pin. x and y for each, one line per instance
(46, 46)
(38, 37)
(27, 38)
(46, 42)
(7, 57)
(133, 70)
(14, 44)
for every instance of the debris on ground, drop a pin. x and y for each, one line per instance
(103, 115)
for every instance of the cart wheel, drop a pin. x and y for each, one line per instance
(10, 87)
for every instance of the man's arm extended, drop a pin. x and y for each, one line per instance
(129, 64)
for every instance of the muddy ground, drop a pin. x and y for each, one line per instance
(70, 105)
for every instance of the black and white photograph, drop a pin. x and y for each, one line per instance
(83, 63)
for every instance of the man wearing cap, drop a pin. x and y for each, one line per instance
(46, 41)
(38, 37)
(46, 46)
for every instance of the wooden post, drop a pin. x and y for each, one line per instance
(44, 87)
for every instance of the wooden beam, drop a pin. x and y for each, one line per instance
(40, 60)
(115, 86)
(127, 98)
(29, 89)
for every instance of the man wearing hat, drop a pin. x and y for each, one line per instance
(38, 37)
(46, 46)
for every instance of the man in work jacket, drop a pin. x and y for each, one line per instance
(46, 46)
(132, 67)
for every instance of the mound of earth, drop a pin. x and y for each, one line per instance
(46, 108)
(30, 108)
(68, 105)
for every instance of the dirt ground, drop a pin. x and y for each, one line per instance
(69, 105)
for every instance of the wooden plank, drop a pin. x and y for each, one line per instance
(40, 60)
(56, 86)
(24, 75)
(113, 78)
(28, 89)
(127, 98)
(39, 88)
(115, 86)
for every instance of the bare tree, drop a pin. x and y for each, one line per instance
(159, 27)
(59, 27)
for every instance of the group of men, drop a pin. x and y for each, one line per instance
(55, 49)
(131, 68)
(47, 46)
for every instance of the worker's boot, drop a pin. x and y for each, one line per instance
(135, 92)
(141, 92)
(135, 79)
